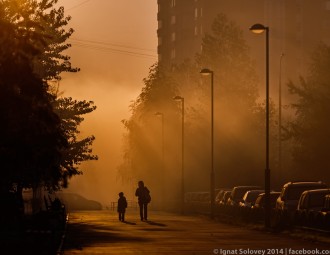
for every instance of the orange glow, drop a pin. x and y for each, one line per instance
(114, 54)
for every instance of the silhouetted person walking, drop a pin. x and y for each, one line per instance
(122, 205)
(144, 198)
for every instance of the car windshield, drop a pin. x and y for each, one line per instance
(238, 193)
(251, 196)
(317, 199)
(294, 192)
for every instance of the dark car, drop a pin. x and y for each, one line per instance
(220, 195)
(260, 201)
(237, 194)
(76, 202)
(291, 192)
(312, 200)
(310, 205)
(250, 197)
(225, 197)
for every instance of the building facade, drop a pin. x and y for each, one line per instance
(296, 27)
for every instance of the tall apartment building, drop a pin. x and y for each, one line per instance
(296, 27)
(181, 26)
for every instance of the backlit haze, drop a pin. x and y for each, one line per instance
(114, 54)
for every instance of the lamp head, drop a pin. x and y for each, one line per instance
(177, 98)
(159, 114)
(258, 28)
(206, 71)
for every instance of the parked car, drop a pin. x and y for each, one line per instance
(324, 214)
(326, 205)
(225, 197)
(312, 200)
(237, 194)
(220, 195)
(250, 197)
(260, 201)
(291, 192)
(309, 207)
(73, 202)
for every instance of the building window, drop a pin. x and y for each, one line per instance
(173, 37)
(159, 57)
(327, 5)
(172, 53)
(201, 12)
(160, 40)
(173, 19)
(160, 24)
(196, 30)
(201, 30)
(172, 3)
(196, 13)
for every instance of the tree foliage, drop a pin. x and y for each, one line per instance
(31, 137)
(70, 111)
(309, 130)
(39, 142)
(40, 19)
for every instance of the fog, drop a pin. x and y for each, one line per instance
(115, 44)
(114, 54)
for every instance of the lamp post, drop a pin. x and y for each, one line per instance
(181, 99)
(258, 29)
(160, 114)
(280, 120)
(207, 72)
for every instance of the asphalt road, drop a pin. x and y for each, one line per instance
(100, 232)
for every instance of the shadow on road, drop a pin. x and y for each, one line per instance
(156, 223)
(80, 235)
(129, 223)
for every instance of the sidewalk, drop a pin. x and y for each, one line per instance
(100, 232)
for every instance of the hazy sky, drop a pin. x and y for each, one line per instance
(114, 44)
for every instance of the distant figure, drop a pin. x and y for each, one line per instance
(144, 198)
(122, 205)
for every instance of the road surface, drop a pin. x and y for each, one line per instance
(100, 232)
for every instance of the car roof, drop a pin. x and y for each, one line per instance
(255, 191)
(318, 183)
(245, 187)
(317, 191)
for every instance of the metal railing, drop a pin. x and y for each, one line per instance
(130, 205)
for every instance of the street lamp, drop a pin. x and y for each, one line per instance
(280, 120)
(207, 72)
(181, 99)
(161, 115)
(258, 29)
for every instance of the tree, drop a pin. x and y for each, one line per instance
(46, 147)
(31, 137)
(70, 112)
(309, 131)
